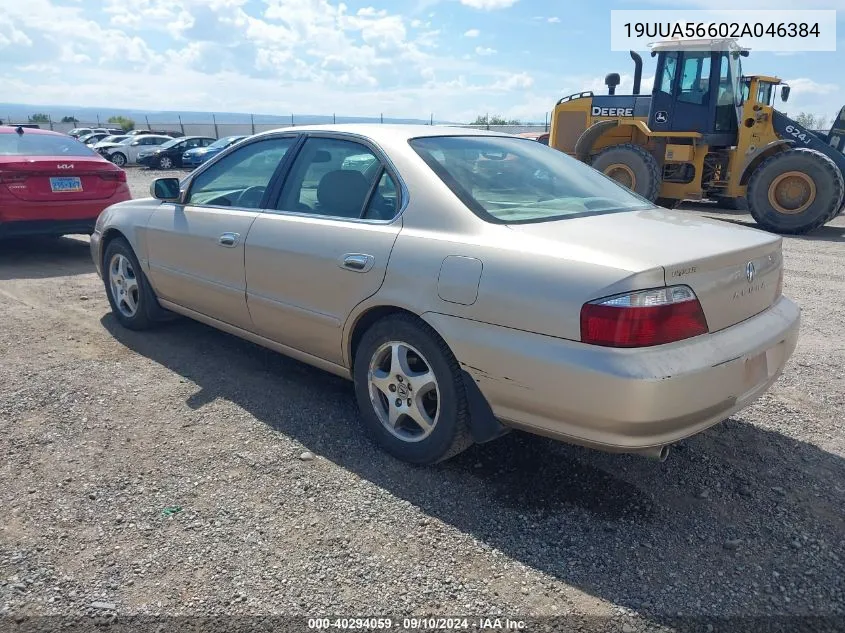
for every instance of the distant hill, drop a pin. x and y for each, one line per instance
(19, 112)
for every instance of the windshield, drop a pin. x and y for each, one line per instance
(114, 139)
(224, 142)
(42, 145)
(510, 180)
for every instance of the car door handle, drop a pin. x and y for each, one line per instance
(229, 239)
(358, 262)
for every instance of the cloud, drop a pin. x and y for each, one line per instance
(804, 86)
(472, 33)
(489, 5)
(553, 20)
(484, 51)
(517, 81)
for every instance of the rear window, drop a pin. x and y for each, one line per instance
(512, 180)
(42, 145)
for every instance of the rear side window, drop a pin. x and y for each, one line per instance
(335, 178)
(42, 145)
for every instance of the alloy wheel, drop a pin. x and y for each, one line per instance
(404, 391)
(124, 285)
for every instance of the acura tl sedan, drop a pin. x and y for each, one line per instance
(467, 282)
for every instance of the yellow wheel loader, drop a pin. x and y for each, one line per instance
(708, 132)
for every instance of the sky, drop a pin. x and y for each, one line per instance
(454, 59)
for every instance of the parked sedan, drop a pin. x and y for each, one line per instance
(126, 153)
(199, 155)
(94, 137)
(110, 141)
(53, 185)
(462, 303)
(170, 154)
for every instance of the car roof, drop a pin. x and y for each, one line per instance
(11, 129)
(389, 131)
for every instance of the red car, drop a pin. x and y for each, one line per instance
(51, 184)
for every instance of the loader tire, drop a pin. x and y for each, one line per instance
(795, 191)
(631, 166)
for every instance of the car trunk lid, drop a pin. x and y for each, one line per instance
(736, 272)
(48, 178)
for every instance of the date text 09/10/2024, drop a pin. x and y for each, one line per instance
(417, 624)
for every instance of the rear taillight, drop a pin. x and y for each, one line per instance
(10, 177)
(644, 318)
(119, 175)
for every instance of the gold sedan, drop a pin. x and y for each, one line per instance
(467, 282)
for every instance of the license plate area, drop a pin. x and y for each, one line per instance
(65, 185)
(756, 370)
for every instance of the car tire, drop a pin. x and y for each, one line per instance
(121, 264)
(165, 162)
(772, 182)
(631, 166)
(118, 159)
(424, 356)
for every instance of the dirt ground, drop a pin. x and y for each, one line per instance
(163, 473)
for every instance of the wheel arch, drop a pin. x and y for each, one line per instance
(483, 424)
(759, 155)
(109, 236)
(584, 144)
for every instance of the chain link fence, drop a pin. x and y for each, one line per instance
(228, 127)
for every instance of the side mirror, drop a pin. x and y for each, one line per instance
(166, 189)
(784, 93)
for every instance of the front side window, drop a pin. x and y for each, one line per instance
(26, 144)
(695, 78)
(512, 181)
(331, 177)
(240, 178)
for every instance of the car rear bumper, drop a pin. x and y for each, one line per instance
(623, 400)
(46, 227)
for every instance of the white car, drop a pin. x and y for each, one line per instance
(109, 141)
(126, 153)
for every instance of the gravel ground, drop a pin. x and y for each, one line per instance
(184, 471)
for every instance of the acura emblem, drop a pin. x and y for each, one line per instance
(749, 271)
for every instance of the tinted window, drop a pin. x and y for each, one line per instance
(42, 145)
(695, 78)
(159, 141)
(240, 178)
(331, 177)
(512, 180)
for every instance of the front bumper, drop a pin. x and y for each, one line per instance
(623, 400)
(148, 160)
(94, 241)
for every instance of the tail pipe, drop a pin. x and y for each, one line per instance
(638, 71)
(660, 453)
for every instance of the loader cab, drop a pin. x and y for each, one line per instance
(696, 89)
